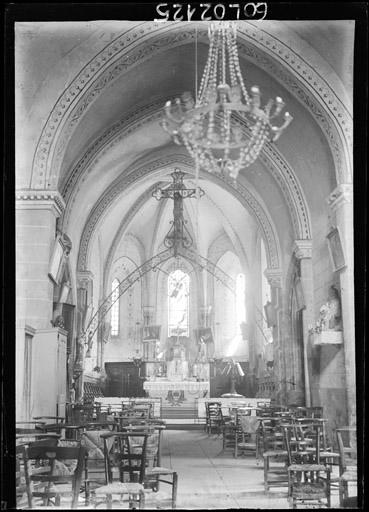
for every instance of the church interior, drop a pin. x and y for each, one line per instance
(185, 264)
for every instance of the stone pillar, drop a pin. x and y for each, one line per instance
(84, 314)
(205, 315)
(303, 252)
(36, 214)
(274, 277)
(148, 313)
(341, 204)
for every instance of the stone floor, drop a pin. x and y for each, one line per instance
(212, 479)
(209, 478)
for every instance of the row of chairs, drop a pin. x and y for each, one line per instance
(118, 459)
(293, 444)
(99, 411)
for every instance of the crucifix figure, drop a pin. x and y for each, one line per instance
(178, 233)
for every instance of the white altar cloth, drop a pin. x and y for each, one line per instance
(168, 390)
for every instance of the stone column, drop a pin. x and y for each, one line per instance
(274, 277)
(84, 313)
(205, 315)
(148, 313)
(303, 252)
(341, 204)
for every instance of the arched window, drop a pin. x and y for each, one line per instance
(115, 308)
(178, 303)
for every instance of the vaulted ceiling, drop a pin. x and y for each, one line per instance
(89, 101)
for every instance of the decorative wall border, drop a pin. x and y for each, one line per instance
(143, 42)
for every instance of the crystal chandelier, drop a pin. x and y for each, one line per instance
(225, 128)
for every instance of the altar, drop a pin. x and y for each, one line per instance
(176, 393)
(183, 382)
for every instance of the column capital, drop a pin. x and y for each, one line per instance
(274, 277)
(303, 249)
(40, 200)
(84, 278)
(340, 195)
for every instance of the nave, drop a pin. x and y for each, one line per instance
(211, 475)
(185, 263)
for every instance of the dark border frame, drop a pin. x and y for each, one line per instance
(84, 11)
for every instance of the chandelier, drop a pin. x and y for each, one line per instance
(224, 128)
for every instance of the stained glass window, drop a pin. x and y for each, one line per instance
(115, 308)
(178, 303)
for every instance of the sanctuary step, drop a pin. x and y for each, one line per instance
(181, 416)
(179, 412)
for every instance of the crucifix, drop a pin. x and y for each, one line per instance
(178, 233)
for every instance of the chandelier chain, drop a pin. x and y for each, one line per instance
(224, 128)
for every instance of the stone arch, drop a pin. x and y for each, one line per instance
(137, 173)
(273, 160)
(140, 43)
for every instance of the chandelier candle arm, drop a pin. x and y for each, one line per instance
(224, 128)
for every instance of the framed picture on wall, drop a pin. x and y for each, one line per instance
(335, 249)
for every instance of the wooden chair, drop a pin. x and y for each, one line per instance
(55, 419)
(247, 433)
(22, 476)
(94, 468)
(128, 459)
(327, 455)
(154, 472)
(100, 425)
(305, 480)
(346, 439)
(274, 454)
(29, 427)
(314, 412)
(51, 479)
(146, 409)
(46, 438)
(214, 417)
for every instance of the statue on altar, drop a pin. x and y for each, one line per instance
(201, 366)
(202, 353)
(177, 367)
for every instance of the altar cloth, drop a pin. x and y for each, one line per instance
(176, 392)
